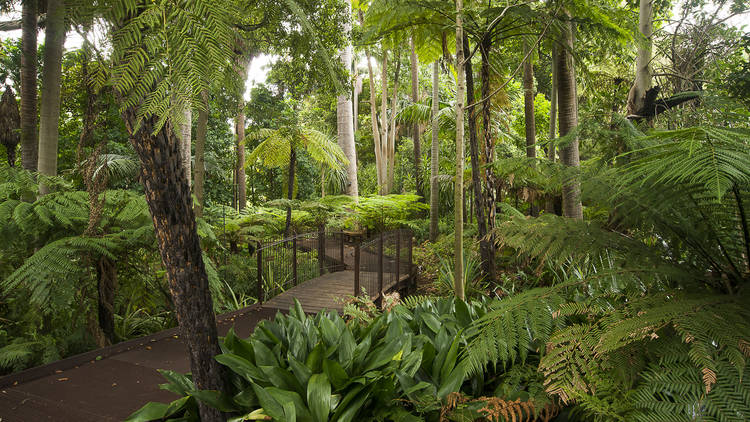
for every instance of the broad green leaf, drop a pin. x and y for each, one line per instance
(319, 397)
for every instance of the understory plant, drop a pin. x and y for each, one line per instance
(402, 365)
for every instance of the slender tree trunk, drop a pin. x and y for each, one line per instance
(415, 132)
(488, 267)
(384, 140)
(435, 153)
(168, 197)
(290, 188)
(637, 94)
(186, 142)
(529, 118)
(201, 129)
(107, 285)
(29, 135)
(567, 104)
(355, 104)
(240, 146)
(392, 133)
(549, 206)
(376, 137)
(51, 73)
(459, 189)
(344, 118)
(492, 186)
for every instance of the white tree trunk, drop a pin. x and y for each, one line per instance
(642, 82)
(374, 120)
(49, 120)
(344, 117)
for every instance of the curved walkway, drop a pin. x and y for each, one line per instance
(107, 384)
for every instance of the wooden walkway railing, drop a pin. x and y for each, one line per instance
(372, 266)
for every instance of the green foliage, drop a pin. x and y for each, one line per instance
(403, 364)
(380, 213)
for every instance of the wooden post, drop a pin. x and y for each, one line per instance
(321, 249)
(398, 259)
(380, 266)
(341, 252)
(357, 289)
(294, 259)
(260, 272)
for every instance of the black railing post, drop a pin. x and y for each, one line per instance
(260, 272)
(357, 289)
(294, 259)
(380, 266)
(341, 251)
(412, 275)
(398, 259)
(321, 249)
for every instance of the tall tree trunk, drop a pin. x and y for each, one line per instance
(29, 135)
(488, 267)
(355, 103)
(384, 140)
(344, 118)
(239, 124)
(392, 133)
(186, 142)
(51, 73)
(567, 105)
(459, 189)
(528, 109)
(240, 146)
(637, 94)
(415, 132)
(435, 153)
(106, 286)
(549, 205)
(11, 122)
(201, 129)
(492, 186)
(378, 140)
(168, 197)
(290, 188)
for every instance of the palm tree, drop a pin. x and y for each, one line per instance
(51, 74)
(279, 147)
(567, 105)
(458, 268)
(29, 139)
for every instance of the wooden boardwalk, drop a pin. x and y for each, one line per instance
(328, 291)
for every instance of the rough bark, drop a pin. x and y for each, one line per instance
(106, 272)
(491, 184)
(458, 268)
(344, 115)
(29, 135)
(567, 105)
(435, 153)
(10, 122)
(488, 267)
(51, 74)
(642, 83)
(168, 197)
(416, 135)
(201, 128)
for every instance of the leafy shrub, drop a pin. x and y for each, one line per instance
(403, 365)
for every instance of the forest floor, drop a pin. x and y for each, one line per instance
(111, 383)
